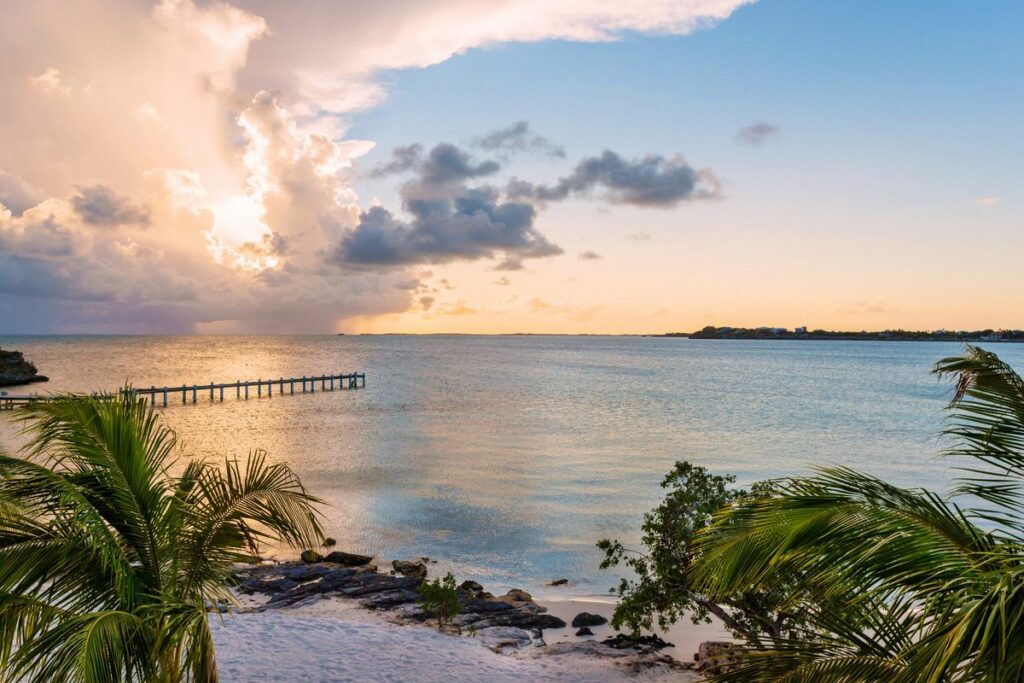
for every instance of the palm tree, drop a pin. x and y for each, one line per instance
(112, 550)
(932, 587)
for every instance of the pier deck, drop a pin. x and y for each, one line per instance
(244, 390)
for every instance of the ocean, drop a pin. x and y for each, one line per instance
(506, 458)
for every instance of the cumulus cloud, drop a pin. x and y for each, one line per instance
(652, 181)
(518, 138)
(100, 205)
(476, 224)
(403, 158)
(151, 183)
(757, 133)
(17, 195)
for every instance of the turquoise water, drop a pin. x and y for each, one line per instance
(506, 458)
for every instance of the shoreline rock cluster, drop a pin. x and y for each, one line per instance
(506, 623)
(15, 370)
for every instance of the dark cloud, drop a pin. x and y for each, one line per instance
(17, 195)
(100, 205)
(589, 255)
(518, 138)
(651, 181)
(756, 133)
(443, 167)
(446, 163)
(403, 158)
(475, 224)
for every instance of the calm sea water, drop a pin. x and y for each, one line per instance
(506, 458)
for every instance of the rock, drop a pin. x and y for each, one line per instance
(15, 370)
(519, 595)
(470, 586)
(363, 584)
(585, 631)
(310, 556)
(588, 619)
(716, 657)
(388, 599)
(407, 568)
(559, 582)
(347, 559)
(649, 643)
(330, 542)
(502, 638)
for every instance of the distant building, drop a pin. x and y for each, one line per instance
(800, 330)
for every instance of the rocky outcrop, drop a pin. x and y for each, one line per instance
(588, 619)
(716, 657)
(406, 568)
(15, 370)
(295, 582)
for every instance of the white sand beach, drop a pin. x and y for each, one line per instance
(330, 641)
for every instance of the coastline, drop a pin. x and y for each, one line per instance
(334, 639)
(292, 616)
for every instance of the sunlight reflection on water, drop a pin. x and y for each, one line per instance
(507, 457)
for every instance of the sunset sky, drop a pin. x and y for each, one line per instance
(579, 166)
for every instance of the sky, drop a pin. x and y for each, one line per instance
(499, 166)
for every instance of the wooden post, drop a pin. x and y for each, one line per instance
(303, 384)
(332, 382)
(259, 388)
(221, 393)
(270, 388)
(238, 388)
(291, 381)
(211, 391)
(246, 391)
(195, 390)
(165, 397)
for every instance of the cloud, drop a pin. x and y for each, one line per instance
(182, 166)
(476, 224)
(446, 163)
(987, 201)
(403, 158)
(17, 195)
(518, 137)
(757, 133)
(100, 205)
(652, 181)
(639, 236)
(589, 255)
(503, 281)
(458, 308)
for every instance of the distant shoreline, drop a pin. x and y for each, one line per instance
(800, 333)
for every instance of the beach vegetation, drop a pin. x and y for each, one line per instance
(932, 585)
(440, 597)
(114, 547)
(660, 590)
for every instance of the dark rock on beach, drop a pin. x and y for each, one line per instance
(649, 643)
(585, 631)
(470, 586)
(310, 556)
(588, 619)
(414, 569)
(347, 559)
(15, 370)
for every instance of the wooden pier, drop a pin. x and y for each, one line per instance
(243, 389)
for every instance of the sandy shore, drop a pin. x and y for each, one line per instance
(332, 641)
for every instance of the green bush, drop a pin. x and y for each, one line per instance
(440, 597)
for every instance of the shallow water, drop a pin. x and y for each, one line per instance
(506, 458)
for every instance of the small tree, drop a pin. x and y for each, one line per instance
(440, 597)
(662, 590)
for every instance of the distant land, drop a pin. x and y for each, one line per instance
(711, 332)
